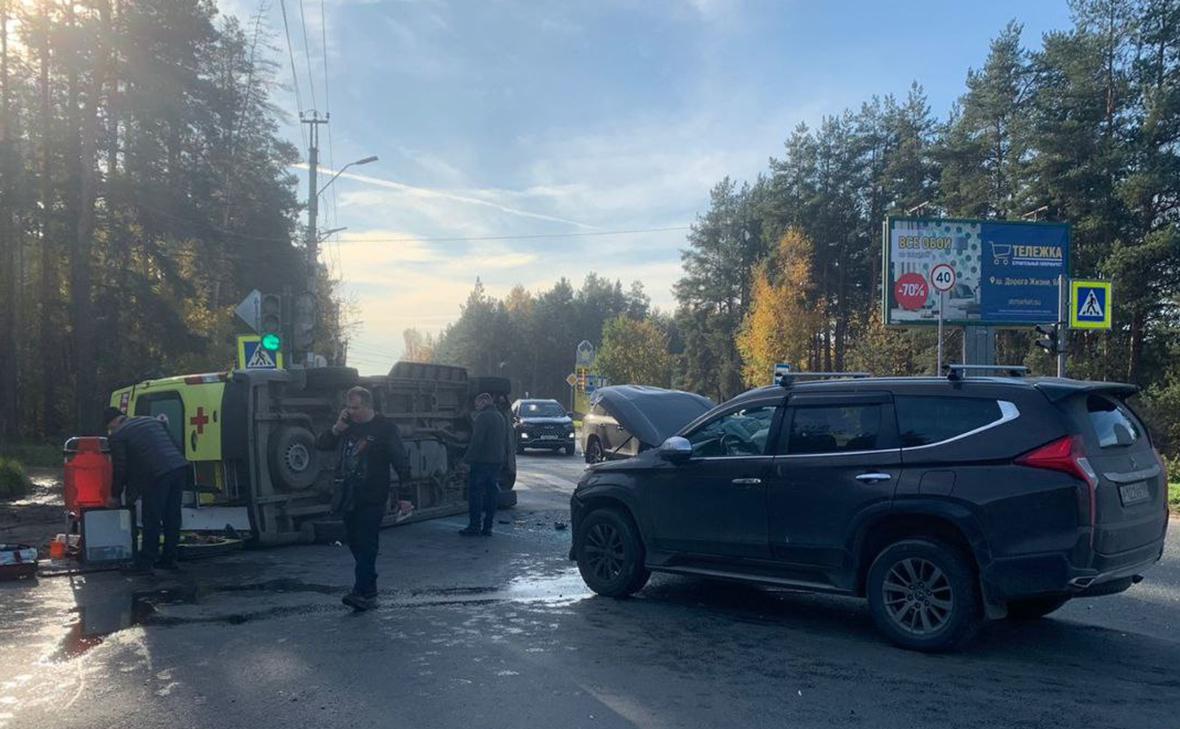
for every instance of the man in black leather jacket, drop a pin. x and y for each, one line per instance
(368, 446)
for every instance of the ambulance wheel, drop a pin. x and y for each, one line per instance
(294, 460)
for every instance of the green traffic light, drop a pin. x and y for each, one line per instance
(271, 342)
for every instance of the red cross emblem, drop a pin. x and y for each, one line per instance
(200, 420)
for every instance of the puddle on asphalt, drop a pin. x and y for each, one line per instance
(98, 619)
(106, 613)
(563, 588)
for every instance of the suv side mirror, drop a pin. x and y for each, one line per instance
(569, 414)
(676, 449)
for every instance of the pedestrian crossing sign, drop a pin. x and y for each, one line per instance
(1091, 305)
(253, 356)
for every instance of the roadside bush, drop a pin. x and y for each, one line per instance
(1161, 406)
(13, 481)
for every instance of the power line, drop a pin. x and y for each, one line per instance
(291, 54)
(307, 56)
(272, 239)
(294, 74)
(587, 234)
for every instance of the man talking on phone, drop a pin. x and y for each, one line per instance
(367, 445)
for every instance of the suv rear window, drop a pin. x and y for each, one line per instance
(834, 429)
(1105, 415)
(926, 420)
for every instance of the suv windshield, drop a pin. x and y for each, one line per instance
(541, 410)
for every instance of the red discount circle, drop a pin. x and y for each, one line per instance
(911, 291)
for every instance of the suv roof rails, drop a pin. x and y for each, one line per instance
(787, 378)
(959, 371)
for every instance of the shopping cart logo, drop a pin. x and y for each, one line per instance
(1001, 253)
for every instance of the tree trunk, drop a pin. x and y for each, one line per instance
(81, 271)
(49, 292)
(9, 358)
(1138, 321)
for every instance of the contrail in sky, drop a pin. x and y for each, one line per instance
(426, 192)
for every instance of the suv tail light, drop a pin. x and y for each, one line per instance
(1068, 456)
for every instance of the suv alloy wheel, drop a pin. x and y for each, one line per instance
(610, 554)
(923, 595)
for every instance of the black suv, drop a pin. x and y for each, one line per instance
(543, 424)
(944, 501)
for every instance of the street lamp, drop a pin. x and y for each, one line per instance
(359, 162)
(330, 232)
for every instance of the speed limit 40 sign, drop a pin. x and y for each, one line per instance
(942, 277)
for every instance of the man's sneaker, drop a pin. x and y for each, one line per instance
(469, 532)
(359, 602)
(485, 532)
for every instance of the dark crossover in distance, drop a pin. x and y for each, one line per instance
(943, 501)
(543, 424)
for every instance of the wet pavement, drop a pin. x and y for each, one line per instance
(502, 632)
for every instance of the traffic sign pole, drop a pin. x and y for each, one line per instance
(943, 278)
(941, 306)
(1062, 322)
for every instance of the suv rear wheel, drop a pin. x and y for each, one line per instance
(610, 554)
(923, 595)
(1033, 608)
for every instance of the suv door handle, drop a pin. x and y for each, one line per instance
(746, 481)
(873, 477)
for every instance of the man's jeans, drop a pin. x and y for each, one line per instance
(362, 525)
(482, 491)
(161, 506)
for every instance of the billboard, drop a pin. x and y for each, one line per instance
(1005, 272)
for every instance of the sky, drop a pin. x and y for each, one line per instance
(516, 138)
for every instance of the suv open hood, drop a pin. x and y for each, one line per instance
(651, 414)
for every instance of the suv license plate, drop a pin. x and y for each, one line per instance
(1133, 493)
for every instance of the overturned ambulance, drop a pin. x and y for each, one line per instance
(250, 437)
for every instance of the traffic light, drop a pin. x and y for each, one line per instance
(1049, 342)
(303, 334)
(271, 322)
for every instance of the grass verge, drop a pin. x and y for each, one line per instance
(1174, 498)
(32, 455)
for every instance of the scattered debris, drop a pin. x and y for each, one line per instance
(17, 561)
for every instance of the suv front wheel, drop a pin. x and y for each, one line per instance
(923, 595)
(610, 554)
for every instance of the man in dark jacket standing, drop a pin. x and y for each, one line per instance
(368, 445)
(148, 465)
(485, 456)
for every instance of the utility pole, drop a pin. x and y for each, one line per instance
(313, 121)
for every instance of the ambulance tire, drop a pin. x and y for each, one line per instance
(331, 378)
(294, 460)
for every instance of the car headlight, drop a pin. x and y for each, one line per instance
(524, 436)
(570, 434)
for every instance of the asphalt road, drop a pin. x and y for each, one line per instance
(501, 632)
